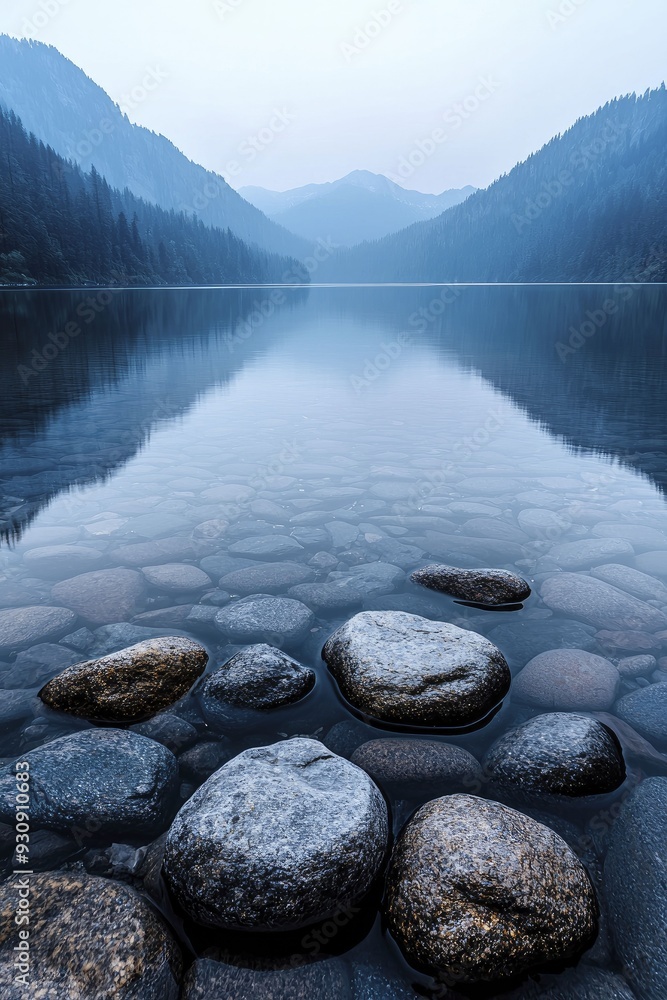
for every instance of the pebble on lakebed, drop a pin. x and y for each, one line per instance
(477, 891)
(278, 838)
(557, 754)
(481, 586)
(89, 938)
(259, 677)
(130, 685)
(408, 670)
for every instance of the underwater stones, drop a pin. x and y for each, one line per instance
(478, 891)
(266, 578)
(99, 781)
(408, 766)
(483, 586)
(646, 710)
(570, 679)
(21, 628)
(89, 938)
(636, 890)
(326, 597)
(267, 547)
(369, 579)
(60, 561)
(277, 621)
(260, 678)
(588, 551)
(108, 595)
(599, 604)
(132, 684)
(558, 754)
(176, 577)
(279, 837)
(404, 669)
(647, 588)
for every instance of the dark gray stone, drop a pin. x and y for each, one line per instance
(478, 891)
(89, 938)
(409, 670)
(327, 980)
(483, 586)
(259, 677)
(201, 761)
(129, 685)
(278, 838)
(558, 754)
(21, 628)
(278, 621)
(636, 888)
(583, 983)
(170, 730)
(646, 711)
(35, 665)
(411, 767)
(100, 781)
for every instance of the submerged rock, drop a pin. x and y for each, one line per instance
(132, 684)
(410, 766)
(96, 782)
(108, 595)
(21, 628)
(478, 891)
(636, 888)
(259, 677)
(600, 604)
(557, 754)
(275, 620)
(89, 938)
(646, 711)
(278, 838)
(569, 679)
(483, 586)
(265, 578)
(177, 577)
(409, 670)
(325, 980)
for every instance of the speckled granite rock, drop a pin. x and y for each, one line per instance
(583, 983)
(478, 891)
(406, 669)
(97, 781)
(89, 939)
(103, 597)
(21, 628)
(557, 754)
(276, 620)
(279, 837)
(636, 888)
(207, 979)
(600, 604)
(259, 677)
(569, 680)
(133, 684)
(646, 711)
(483, 586)
(412, 766)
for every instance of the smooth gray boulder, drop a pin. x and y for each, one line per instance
(267, 547)
(279, 837)
(477, 891)
(588, 552)
(635, 887)
(259, 677)
(178, 578)
(89, 938)
(559, 754)
(646, 710)
(103, 597)
(641, 585)
(411, 767)
(278, 621)
(96, 782)
(265, 578)
(21, 628)
(129, 685)
(600, 604)
(569, 680)
(481, 586)
(409, 670)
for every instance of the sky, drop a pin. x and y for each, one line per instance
(433, 93)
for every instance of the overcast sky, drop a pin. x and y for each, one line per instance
(357, 84)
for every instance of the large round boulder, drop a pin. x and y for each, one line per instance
(105, 782)
(133, 684)
(481, 586)
(404, 669)
(559, 754)
(477, 892)
(278, 838)
(21, 628)
(107, 595)
(88, 938)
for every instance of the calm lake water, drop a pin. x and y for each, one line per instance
(365, 423)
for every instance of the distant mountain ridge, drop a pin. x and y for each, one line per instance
(591, 205)
(65, 109)
(360, 206)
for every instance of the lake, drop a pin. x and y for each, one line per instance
(522, 428)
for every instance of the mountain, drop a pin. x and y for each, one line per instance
(70, 113)
(61, 226)
(591, 205)
(361, 206)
